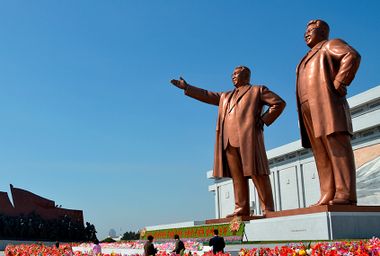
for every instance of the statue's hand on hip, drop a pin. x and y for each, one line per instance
(341, 88)
(260, 124)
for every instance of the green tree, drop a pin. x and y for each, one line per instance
(130, 235)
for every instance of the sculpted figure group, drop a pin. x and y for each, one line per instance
(325, 122)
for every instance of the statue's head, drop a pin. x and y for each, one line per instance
(316, 31)
(241, 76)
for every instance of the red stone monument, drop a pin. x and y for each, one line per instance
(25, 202)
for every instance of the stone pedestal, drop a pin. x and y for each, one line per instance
(316, 223)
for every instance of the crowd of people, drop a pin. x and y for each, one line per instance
(216, 242)
(34, 227)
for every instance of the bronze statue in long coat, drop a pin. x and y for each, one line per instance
(240, 154)
(325, 121)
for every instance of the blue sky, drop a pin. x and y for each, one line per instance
(90, 120)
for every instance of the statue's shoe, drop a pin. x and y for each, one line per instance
(267, 211)
(239, 213)
(319, 203)
(324, 200)
(338, 201)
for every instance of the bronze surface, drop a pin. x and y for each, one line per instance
(323, 76)
(239, 148)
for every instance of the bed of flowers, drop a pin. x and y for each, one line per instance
(369, 247)
(191, 245)
(232, 232)
(38, 250)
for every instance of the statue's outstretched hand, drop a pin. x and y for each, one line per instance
(181, 83)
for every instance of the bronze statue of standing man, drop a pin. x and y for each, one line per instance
(325, 121)
(239, 148)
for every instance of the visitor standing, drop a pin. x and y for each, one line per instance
(217, 243)
(149, 247)
(179, 245)
(96, 249)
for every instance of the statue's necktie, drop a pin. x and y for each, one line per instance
(233, 100)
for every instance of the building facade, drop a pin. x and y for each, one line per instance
(294, 176)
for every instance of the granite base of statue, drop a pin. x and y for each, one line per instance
(325, 222)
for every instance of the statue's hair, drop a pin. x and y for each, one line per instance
(321, 24)
(245, 70)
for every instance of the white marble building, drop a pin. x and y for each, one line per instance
(293, 172)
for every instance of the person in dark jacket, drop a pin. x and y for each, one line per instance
(179, 245)
(149, 247)
(217, 243)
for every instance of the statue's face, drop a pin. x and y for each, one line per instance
(313, 35)
(239, 78)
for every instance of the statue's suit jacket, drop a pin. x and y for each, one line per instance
(249, 108)
(325, 62)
